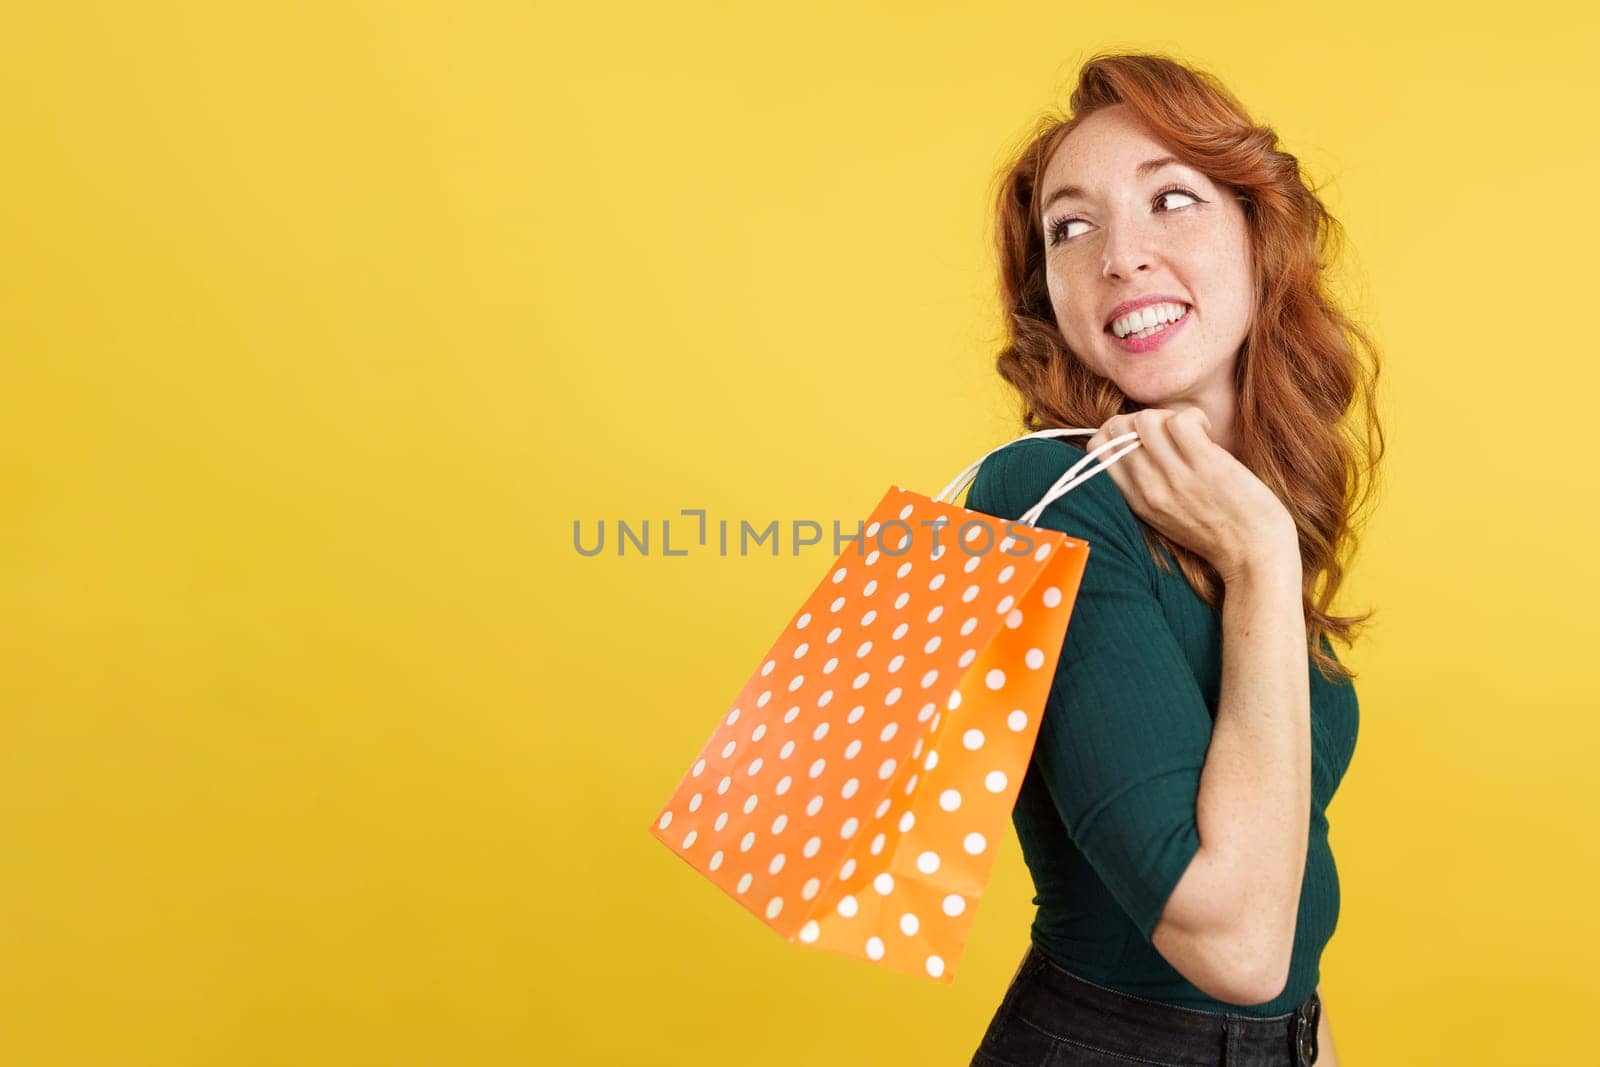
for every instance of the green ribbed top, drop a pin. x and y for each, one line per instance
(1106, 811)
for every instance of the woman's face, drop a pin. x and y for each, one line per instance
(1129, 228)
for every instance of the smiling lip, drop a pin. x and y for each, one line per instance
(1139, 302)
(1155, 340)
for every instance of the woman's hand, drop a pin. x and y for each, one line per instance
(1192, 490)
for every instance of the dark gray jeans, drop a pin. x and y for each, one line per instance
(1050, 1017)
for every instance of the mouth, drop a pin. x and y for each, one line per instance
(1149, 339)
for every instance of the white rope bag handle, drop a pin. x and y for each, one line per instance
(1065, 484)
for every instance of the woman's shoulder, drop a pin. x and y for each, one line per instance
(1017, 476)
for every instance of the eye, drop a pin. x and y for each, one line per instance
(1058, 228)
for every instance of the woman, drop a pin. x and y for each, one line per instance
(1161, 269)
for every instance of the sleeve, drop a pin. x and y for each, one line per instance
(1125, 728)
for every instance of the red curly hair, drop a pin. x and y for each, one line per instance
(1303, 365)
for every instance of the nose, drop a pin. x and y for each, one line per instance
(1125, 253)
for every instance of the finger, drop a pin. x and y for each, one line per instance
(1190, 432)
(1164, 460)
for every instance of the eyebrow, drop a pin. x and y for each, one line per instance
(1147, 167)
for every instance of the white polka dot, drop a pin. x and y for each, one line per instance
(747, 841)
(969, 594)
(863, 649)
(872, 531)
(896, 663)
(797, 682)
(929, 678)
(744, 882)
(1017, 721)
(803, 621)
(888, 731)
(716, 860)
(812, 887)
(870, 588)
(838, 576)
(935, 966)
(867, 619)
(1052, 597)
(936, 582)
(954, 904)
(974, 843)
(849, 788)
(932, 761)
(886, 769)
(774, 906)
(969, 626)
(848, 906)
(932, 645)
(901, 600)
(938, 610)
(827, 695)
(905, 512)
(761, 701)
(1005, 605)
(777, 863)
(903, 570)
(928, 862)
(995, 679)
(690, 838)
(878, 841)
(1014, 620)
(766, 668)
(1005, 573)
(972, 564)
(972, 740)
(892, 695)
(847, 870)
(875, 948)
(1034, 659)
(848, 830)
(1044, 550)
(909, 925)
(837, 604)
(860, 680)
(955, 700)
(907, 821)
(950, 799)
(884, 883)
(966, 658)
(872, 557)
(810, 931)
(900, 631)
(698, 768)
(820, 732)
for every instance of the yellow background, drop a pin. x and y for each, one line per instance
(323, 322)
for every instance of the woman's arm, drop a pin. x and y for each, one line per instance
(1232, 915)
(1326, 1057)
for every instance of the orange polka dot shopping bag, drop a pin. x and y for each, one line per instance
(854, 793)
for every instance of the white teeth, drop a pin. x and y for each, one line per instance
(1146, 317)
